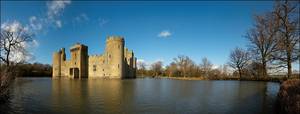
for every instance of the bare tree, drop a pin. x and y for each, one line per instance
(184, 63)
(13, 43)
(224, 69)
(172, 69)
(263, 39)
(141, 67)
(157, 68)
(239, 60)
(287, 12)
(206, 66)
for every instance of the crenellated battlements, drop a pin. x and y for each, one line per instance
(115, 38)
(96, 55)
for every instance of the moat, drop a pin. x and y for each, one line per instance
(141, 95)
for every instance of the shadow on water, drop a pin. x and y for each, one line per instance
(60, 96)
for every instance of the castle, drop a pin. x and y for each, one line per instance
(115, 62)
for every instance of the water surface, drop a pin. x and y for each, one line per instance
(135, 96)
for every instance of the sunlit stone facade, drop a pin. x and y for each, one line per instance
(115, 62)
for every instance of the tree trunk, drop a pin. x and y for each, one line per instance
(289, 64)
(240, 73)
(264, 69)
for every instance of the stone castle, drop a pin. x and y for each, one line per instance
(115, 62)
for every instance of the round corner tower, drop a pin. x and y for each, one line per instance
(56, 67)
(114, 52)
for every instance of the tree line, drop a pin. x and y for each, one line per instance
(184, 66)
(273, 45)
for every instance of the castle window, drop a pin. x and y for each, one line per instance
(109, 56)
(118, 65)
(102, 69)
(71, 71)
(119, 46)
(94, 67)
(103, 61)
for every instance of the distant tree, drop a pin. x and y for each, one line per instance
(184, 64)
(206, 66)
(141, 68)
(157, 68)
(224, 70)
(255, 69)
(287, 13)
(172, 69)
(263, 39)
(238, 60)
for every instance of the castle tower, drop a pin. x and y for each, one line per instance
(114, 53)
(134, 67)
(63, 54)
(56, 65)
(78, 65)
(63, 62)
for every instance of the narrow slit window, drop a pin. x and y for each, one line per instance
(94, 68)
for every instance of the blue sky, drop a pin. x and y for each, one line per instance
(154, 30)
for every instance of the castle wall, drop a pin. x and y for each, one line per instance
(97, 67)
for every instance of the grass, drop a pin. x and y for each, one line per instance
(289, 97)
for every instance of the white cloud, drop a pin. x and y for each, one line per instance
(58, 23)
(35, 23)
(164, 34)
(55, 7)
(12, 27)
(144, 62)
(140, 60)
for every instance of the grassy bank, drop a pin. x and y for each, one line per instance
(289, 97)
(272, 79)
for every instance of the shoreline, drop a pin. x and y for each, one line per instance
(269, 79)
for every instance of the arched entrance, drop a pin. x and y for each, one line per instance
(74, 72)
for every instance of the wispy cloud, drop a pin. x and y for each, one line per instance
(81, 18)
(58, 23)
(56, 7)
(14, 26)
(102, 21)
(35, 23)
(54, 11)
(164, 34)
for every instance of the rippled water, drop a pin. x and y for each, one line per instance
(64, 96)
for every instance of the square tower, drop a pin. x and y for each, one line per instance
(78, 65)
